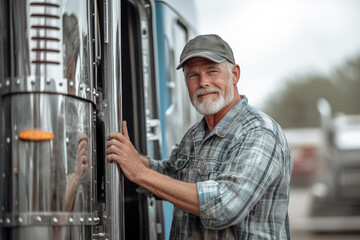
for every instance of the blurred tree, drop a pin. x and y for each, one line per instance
(295, 106)
(348, 82)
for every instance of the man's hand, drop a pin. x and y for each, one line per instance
(120, 150)
(136, 168)
(82, 168)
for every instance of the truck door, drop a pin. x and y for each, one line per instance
(143, 215)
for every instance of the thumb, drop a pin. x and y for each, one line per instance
(125, 130)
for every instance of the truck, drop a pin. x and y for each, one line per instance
(335, 193)
(335, 202)
(70, 72)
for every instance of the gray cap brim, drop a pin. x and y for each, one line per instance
(208, 55)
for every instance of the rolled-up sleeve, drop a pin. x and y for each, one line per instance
(249, 170)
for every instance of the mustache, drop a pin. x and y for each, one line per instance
(208, 90)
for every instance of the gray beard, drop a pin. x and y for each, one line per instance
(209, 106)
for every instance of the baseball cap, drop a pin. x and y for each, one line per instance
(210, 46)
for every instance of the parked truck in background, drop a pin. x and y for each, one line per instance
(335, 204)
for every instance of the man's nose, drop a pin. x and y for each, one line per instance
(204, 81)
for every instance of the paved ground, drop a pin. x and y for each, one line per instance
(300, 203)
(331, 236)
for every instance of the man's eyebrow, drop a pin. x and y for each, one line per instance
(212, 66)
(190, 72)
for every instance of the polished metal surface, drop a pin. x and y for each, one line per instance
(40, 172)
(47, 83)
(47, 182)
(51, 49)
(51, 233)
(114, 221)
(48, 219)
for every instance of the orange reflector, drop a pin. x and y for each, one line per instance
(35, 135)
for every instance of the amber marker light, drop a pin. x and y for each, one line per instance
(35, 135)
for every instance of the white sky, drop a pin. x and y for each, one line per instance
(275, 40)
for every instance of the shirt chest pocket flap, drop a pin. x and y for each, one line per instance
(209, 169)
(181, 167)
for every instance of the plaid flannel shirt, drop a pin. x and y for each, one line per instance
(242, 170)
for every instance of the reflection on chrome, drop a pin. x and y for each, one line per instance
(81, 170)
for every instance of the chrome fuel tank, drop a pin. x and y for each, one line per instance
(46, 183)
(48, 114)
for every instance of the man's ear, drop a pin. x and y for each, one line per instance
(235, 73)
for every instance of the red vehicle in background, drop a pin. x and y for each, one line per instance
(304, 145)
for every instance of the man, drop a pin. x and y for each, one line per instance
(229, 176)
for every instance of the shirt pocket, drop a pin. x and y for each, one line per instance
(209, 170)
(182, 167)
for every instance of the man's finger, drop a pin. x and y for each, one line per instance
(116, 143)
(125, 130)
(118, 136)
(113, 149)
